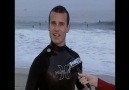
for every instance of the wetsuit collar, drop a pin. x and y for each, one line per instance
(57, 48)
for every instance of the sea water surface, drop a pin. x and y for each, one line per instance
(96, 46)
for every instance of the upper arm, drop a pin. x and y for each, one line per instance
(33, 76)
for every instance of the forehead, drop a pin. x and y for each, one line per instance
(58, 16)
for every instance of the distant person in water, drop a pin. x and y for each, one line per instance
(87, 26)
(93, 80)
(32, 26)
(50, 70)
(40, 25)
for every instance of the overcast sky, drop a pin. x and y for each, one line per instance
(79, 10)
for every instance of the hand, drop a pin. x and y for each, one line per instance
(88, 78)
(83, 79)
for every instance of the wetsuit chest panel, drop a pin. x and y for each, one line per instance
(58, 64)
(58, 74)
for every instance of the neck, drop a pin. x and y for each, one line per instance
(57, 47)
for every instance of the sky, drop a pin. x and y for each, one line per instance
(79, 10)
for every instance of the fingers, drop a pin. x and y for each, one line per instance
(83, 80)
(81, 75)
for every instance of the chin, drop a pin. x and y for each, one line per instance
(55, 41)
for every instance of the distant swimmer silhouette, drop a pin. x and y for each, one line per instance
(40, 25)
(32, 26)
(87, 25)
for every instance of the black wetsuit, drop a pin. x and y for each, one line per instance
(49, 70)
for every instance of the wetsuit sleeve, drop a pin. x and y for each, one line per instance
(33, 77)
(102, 85)
(37, 72)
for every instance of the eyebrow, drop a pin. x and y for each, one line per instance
(62, 23)
(54, 22)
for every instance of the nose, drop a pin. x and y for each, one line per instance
(56, 28)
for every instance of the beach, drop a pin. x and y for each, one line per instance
(21, 75)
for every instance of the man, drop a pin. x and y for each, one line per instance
(50, 69)
(93, 80)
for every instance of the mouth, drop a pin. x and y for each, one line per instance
(56, 35)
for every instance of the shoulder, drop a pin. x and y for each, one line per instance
(42, 56)
(42, 59)
(44, 52)
(72, 52)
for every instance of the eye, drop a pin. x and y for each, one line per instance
(61, 24)
(53, 22)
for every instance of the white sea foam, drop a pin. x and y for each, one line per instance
(95, 47)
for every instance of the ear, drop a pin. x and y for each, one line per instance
(68, 28)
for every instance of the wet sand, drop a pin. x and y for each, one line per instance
(22, 74)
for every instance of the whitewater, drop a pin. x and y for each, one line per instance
(96, 48)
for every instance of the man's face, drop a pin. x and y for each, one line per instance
(58, 28)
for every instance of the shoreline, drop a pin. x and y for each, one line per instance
(21, 75)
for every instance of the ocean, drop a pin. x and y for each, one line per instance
(94, 42)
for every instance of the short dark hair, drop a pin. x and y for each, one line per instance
(60, 9)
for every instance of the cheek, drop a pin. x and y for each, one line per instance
(50, 32)
(51, 27)
(63, 34)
